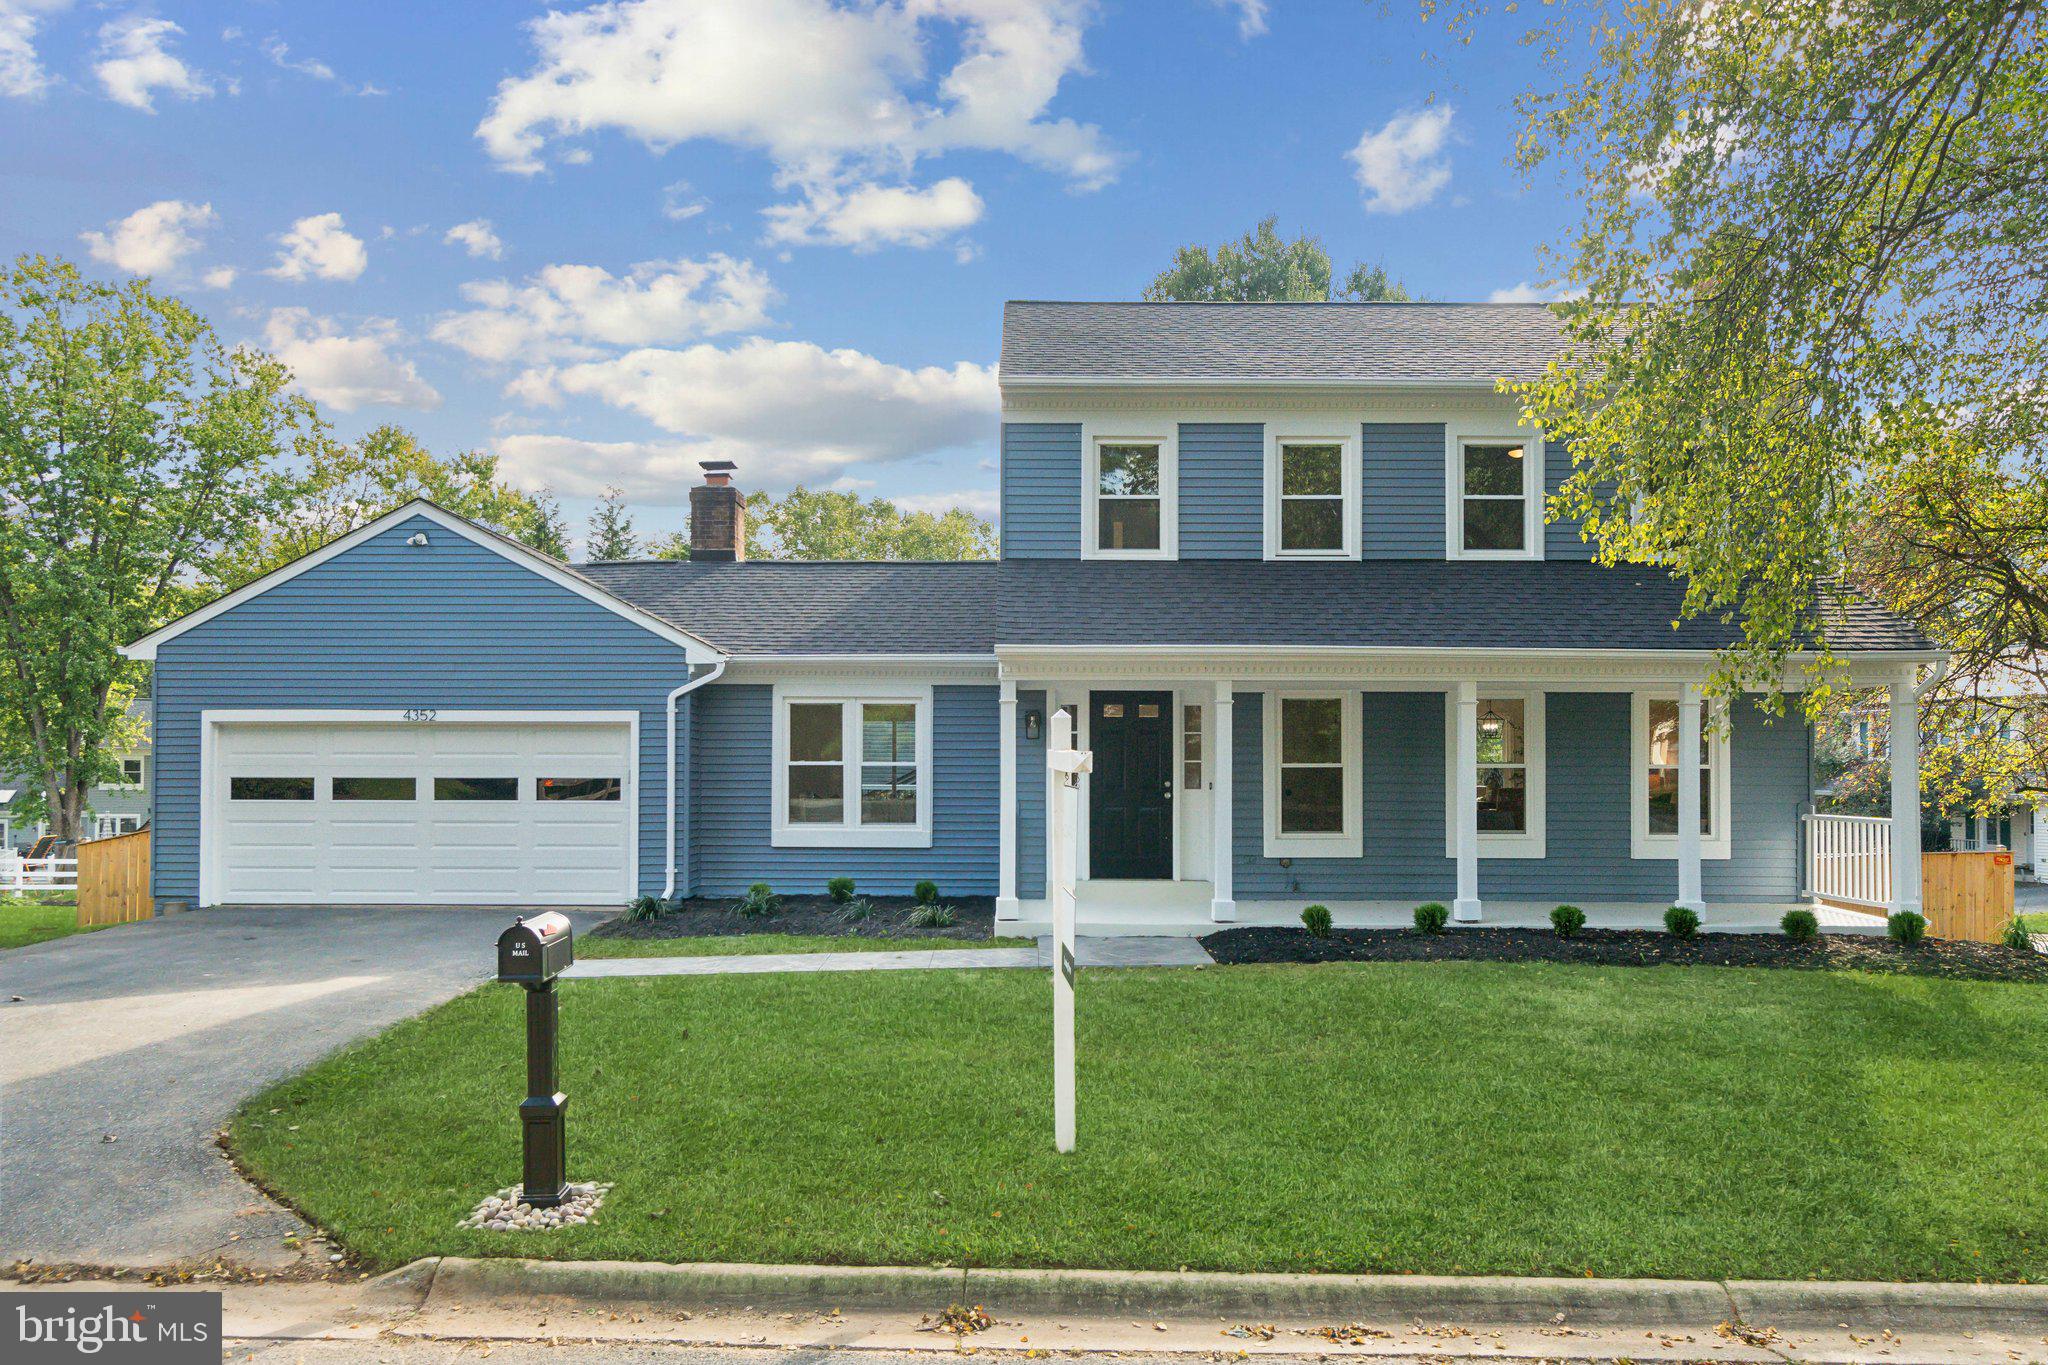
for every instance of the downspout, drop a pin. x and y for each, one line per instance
(668, 887)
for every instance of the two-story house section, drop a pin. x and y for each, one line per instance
(1288, 566)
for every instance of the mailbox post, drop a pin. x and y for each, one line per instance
(532, 953)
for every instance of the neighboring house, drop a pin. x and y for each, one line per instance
(1287, 563)
(119, 807)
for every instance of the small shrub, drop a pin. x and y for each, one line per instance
(644, 908)
(759, 901)
(840, 889)
(1801, 926)
(932, 915)
(1906, 927)
(857, 910)
(1680, 922)
(1431, 918)
(2016, 935)
(1316, 919)
(927, 893)
(1567, 920)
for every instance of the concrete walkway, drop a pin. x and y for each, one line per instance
(1089, 952)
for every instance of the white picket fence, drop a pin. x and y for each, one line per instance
(36, 874)
(1849, 859)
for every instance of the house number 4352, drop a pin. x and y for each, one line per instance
(422, 714)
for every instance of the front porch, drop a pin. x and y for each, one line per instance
(1237, 787)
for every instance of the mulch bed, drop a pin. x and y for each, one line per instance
(707, 917)
(1632, 948)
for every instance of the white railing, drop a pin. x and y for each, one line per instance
(36, 874)
(1849, 859)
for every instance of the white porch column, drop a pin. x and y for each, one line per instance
(1905, 752)
(1689, 710)
(1466, 908)
(1223, 732)
(1006, 804)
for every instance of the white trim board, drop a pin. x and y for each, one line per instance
(696, 649)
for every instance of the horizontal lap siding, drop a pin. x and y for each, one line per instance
(1561, 537)
(1222, 478)
(450, 625)
(1041, 502)
(1588, 816)
(1404, 490)
(732, 820)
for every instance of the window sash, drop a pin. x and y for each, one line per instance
(1515, 533)
(877, 778)
(1301, 765)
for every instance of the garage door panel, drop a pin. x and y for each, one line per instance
(472, 847)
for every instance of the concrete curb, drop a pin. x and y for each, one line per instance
(1499, 1301)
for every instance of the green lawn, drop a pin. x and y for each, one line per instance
(1459, 1118)
(735, 945)
(36, 917)
(2036, 923)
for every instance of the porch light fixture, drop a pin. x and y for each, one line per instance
(1491, 722)
(1034, 724)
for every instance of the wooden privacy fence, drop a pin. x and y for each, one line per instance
(1966, 895)
(113, 880)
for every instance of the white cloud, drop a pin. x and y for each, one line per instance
(657, 472)
(1401, 165)
(1251, 16)
(478, 238)
(136, 62)
(318, 247)
(678, 204)
(281, 55)
(564, 311)
(871, 216)
(836, 97)
(220, 277)
(151, 240)
(344, 371)
(1529, 292)
(21, 70)
(786, 411)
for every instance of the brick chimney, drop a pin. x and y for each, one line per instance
(718, 515)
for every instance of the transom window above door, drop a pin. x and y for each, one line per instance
(852, 770)
(1130, 499)
(1311, 497)
(1496, 485)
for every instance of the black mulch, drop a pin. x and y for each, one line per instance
(705, 917)
(1632, 948)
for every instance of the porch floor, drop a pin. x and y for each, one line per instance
(1181, 909)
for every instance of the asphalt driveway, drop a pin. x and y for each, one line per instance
(123, 1052)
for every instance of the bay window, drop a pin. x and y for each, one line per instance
(852, 767)
(1313, 782)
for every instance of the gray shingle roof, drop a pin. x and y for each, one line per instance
(1361, 343)
(922, 608)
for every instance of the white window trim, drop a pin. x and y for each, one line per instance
(1455, 440)
(109, 826)
(6, 833)
(122, 780)
(1168, 442)
(1641, 843)
(1534, 841)
(1350, 842)
(1283, 435)
(849, 835)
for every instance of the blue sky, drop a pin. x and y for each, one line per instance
(617, 239)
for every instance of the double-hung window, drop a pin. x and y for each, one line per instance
(1312, 497)
(852, 767)
(1654, 782)
(1495, 497)
(1130, 512)
(1313, 784)
(1511, 791)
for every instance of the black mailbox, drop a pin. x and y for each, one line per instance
(536, 950)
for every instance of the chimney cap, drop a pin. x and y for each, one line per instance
(717, 466)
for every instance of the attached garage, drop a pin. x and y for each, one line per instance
(468, 808)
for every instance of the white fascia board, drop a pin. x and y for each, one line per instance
(696, 649)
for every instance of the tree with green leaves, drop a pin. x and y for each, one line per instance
(1262, 267)
(1814, 267)
(137, 455)
(546, 529)
(611, 529)
(821, 524)
(674, 545)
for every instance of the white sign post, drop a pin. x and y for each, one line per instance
(1066, 764)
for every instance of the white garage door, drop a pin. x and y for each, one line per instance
(438, 812)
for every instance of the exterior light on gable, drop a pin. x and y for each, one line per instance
(417, 538)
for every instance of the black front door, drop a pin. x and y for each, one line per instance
(1130, 794)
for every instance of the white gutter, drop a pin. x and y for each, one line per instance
(668, 886)
(1934, 679)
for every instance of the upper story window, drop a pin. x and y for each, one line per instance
(1311, 497)
(1130, 494)
(1496, 503)
(1654, 783)
(131, 772)
(852, 767)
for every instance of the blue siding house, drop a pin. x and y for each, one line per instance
(1290, 567)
